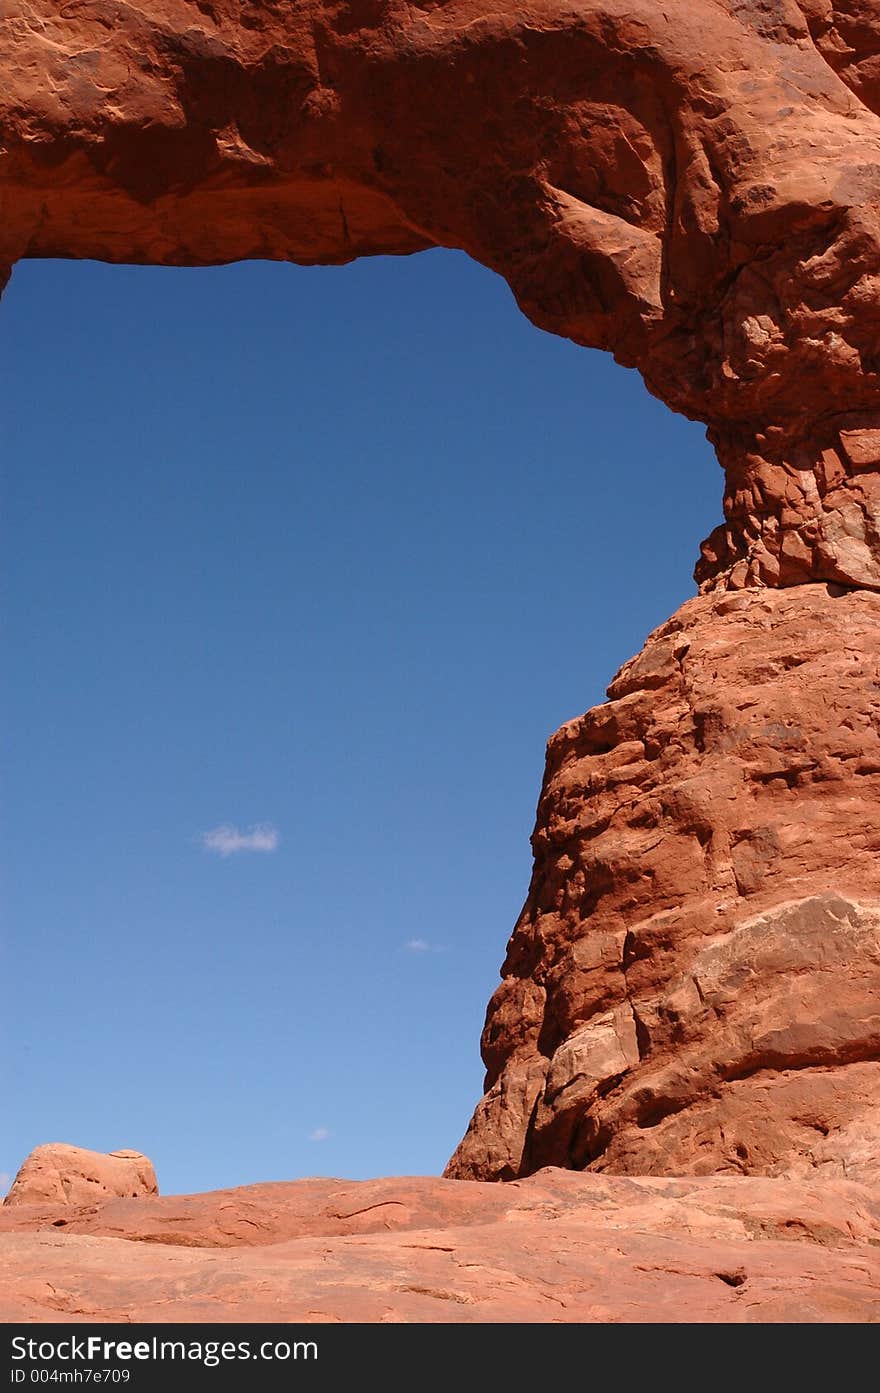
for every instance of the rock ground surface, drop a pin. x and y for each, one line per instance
(557, 1247)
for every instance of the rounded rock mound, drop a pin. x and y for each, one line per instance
(60, 1174)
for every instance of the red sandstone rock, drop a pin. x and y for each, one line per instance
(694, 185)
(557, 1247)
(59, 1174)
(694, 983)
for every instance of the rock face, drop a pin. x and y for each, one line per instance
(694, 983)
(557, 1247)
(58, 1175)
(694, 185)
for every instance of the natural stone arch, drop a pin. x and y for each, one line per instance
(696, 188)
(693, 186)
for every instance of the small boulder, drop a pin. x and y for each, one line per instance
(61, 1174)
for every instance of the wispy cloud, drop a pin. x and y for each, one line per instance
(319, 1134)
(417, 945)
(228, 840)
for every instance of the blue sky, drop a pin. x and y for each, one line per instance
(302, 568)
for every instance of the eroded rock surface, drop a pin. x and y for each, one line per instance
(60, 1174)
(694, 983)
(556, 1247)
(694, 186)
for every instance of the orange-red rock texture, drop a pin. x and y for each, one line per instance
(692, 987)
(556, 1247)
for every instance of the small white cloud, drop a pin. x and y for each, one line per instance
(5, 1181)
(319, 1134)
(417, 945)
(228, 841)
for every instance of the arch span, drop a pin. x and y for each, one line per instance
(695, 187)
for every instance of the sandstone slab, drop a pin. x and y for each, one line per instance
(558, 1247)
